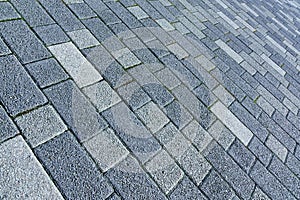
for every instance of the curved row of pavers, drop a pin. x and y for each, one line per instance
(161, 107)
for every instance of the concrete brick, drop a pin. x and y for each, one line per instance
(221, 134)
(126, 58)
(277, 148)
(223, 95)
(165, 24)
(138, 12)
(167, 78)
(199, 137)
(131, 181)
(82, 10)
(235, 125)
(229, 51)
(75, 109)
(72, 169)
(152, 116)
(22, 41)
(79, 68)
(101, 95)
(19, 180)
(98, 29)
(51, 34)
(132, 132)
(18, 92)
(106, 149)
(39, 126)
(164, 171)
(178, 51)
(83, 38)
(46, 72)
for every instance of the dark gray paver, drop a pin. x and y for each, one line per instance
(51, 34)
(98, 28)
(7, 127)
(260, 151)
(32, 12)
(230, 171)
(132, 182)
(62, 15)
(46, 72)
(75, 109)
(18, 92)
(82, 10)
(23, 41)
(22, 176)
(7, 11)
(76, 175)
(268, 183)
(215, 187)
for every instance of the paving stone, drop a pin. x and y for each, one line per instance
(178, 114)
(126, 58)
(205, 95)
(223, 95)
(230, 171)
(110, 69)
(7, 127)
(4, 50)
(233, 123)
(241, 155)
(102, 95)
(178, 51)
(75, 109)
(79, 68)
(7, 12)
(97, 6)
(134, 95)
(229, 51)
(138, 12)
(83, 38)
(23, 41)
(292, 162)
(196, 108)
(164, 171)
(152, 116)
(131, 130)
(165, 24)
(221, 134)
(186, 190)
(151, 85)
(258, 194)
(132, 182)
(167, 78)
(75, 173)
(46, 72)
(62, 15)
(39, 126)
(109, 17)
(252, 107)
(199, 137)
(32, 12)
(18, 92)
(51, 34)
(114, 196)
(215, 187)
(82, 10)
(22, 176)
(288, 179)
(277, 148)
(106, 149)
(98, 28)
(266, 106)
(268, 183)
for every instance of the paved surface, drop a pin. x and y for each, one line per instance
(160, 99)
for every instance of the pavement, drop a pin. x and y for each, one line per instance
(160, 99)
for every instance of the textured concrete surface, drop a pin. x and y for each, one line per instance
(149, 99)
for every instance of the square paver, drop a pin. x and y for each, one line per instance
(39, 126)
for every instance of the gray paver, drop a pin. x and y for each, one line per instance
(4, 50)
(152, 116)
(39, 126)
(23, 41)
(221, 134)
(83, 38)
(138, 12)
(82, 10)
(7, 11)
(51, 34)
(46, 72)
(18, 92)
(7, 127)
(102, 95)
(75, 109)
(18, 180)
(106, 149)
(72, 169)
(277, 148)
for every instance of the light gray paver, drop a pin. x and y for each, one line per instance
(223, 95)
(138, 12)
(80, 69)
(39, 126)
(83, 38)
(102, 95)
(106, 149)
(277, 148)
(22, 176)
(126, 58)
(233, 123)
(229, 51)
(165, 24)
